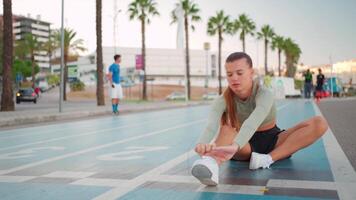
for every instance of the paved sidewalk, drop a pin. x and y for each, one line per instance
(76, 110)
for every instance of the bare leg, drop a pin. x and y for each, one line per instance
(226, 137)
(298, 137)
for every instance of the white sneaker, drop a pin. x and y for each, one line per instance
(206, 170)
(260, 161)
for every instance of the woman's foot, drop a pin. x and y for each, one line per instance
(260, 161)
(206, 170)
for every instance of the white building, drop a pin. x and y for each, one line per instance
(38, 28)
(164, 66)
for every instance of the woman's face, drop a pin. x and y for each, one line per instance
(239, 75)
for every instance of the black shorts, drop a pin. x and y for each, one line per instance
(264, 141)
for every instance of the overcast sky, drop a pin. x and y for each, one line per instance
(322, 28)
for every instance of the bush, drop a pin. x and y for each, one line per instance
(298, 84)
(77, 86)
(53, 79)
(351, 92)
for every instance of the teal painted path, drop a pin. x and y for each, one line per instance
(148, 156)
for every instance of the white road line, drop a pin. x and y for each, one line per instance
(282, 183)
(15, 179)
(78, 135)
(101, 182)
(344, 173)
(283, 106)
(120, 191)
(49, 130)
(11, 170)
(69, 174)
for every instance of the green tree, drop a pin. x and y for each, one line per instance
(7, 102)
(142, 10)
(278, 43)
(29, 46)
(100, 99)
(246, 27)
(292, 53)
(71, 46)
(219, 24)
(23, 67)
(49, 47)
(190, 13)
(266, 34)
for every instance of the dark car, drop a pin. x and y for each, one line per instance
(26, 94)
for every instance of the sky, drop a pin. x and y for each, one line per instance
(325, 30)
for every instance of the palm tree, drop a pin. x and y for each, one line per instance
(141, 10)
(219, 24)
(50, 47)
(278, 43)
(29, 46)
(190, 12)
(246, 27)
(99, 57)
(71, 44)
(292, 53)
(7, 102)
(266, 34)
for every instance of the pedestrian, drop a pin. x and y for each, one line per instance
(308, 83)
(114, 79)
(320, 80)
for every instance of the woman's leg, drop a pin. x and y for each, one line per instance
(226, 137)
(298, 137)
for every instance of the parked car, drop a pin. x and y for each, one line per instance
(26, 94)
(176, 96)
(210, 96)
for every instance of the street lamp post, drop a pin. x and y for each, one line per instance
(206, 48)
(62, 61)
(331, 78)
(115, 13)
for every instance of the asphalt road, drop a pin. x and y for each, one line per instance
(341, 115)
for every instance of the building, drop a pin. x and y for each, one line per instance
(23, 25)
(163, 66)
(345, 70)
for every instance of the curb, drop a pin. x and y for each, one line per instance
(82, 114)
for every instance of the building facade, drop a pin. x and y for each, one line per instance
(23, 25)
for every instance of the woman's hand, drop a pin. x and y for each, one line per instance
(223, 153)
(202, 149)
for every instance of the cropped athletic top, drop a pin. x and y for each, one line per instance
(256, 110)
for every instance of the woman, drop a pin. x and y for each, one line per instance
(246, 114)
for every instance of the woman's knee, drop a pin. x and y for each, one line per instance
(320, 124)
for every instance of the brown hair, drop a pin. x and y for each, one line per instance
(230, 115)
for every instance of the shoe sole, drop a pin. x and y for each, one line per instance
(203, 174)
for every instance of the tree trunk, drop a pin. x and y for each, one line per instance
(33, 64)
(7, 103)
(99, 57)
(186, 25)
(266, 68)
(144, 89)
(243, 43)
(65, 76)
(279, 62)
(219, 61)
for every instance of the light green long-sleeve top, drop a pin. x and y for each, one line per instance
(257, 110)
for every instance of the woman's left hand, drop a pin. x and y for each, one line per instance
(223, 153)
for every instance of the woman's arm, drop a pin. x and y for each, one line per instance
(214, 118)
